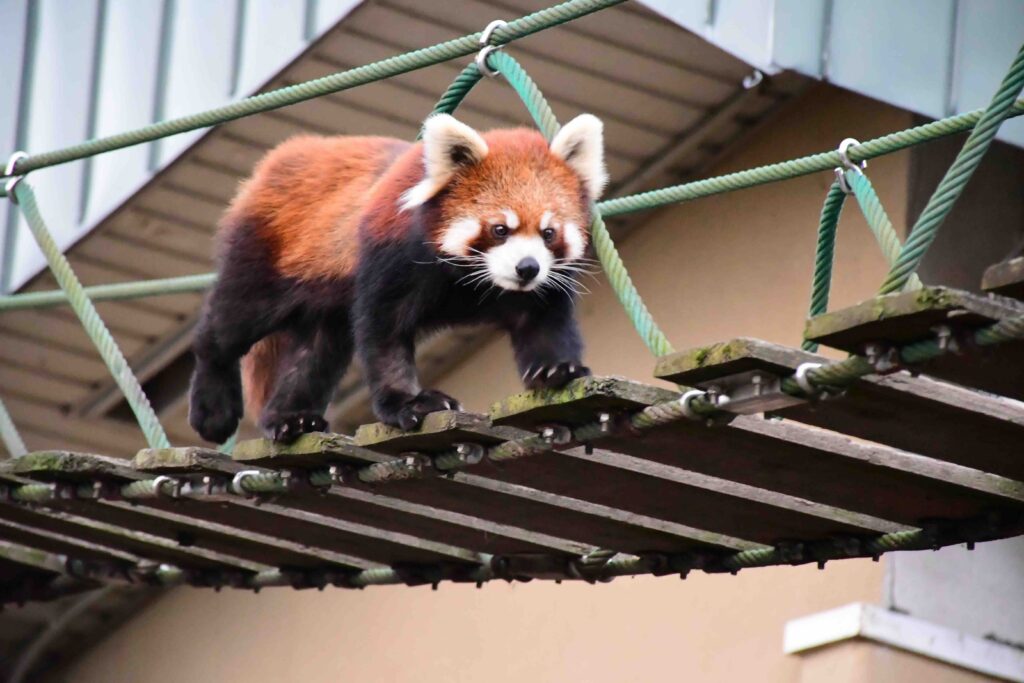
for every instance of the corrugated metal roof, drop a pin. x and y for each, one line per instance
(933, 57)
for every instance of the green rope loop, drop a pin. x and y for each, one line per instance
(878, 221)
(824, 256)
(604, 246)
(952, 184)
(457, 91)
(91, 321)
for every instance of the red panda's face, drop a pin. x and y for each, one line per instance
(512, 208)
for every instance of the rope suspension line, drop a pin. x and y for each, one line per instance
(953, 183)
(90, 318)
(283, 97)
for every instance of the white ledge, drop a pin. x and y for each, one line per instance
(870, 622)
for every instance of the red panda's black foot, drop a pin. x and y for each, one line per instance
(287, 428)
(215, 407)
(410, 415)
(554, 376)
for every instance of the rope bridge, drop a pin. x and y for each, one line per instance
(601, 479)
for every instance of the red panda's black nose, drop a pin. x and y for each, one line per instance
(527, 269)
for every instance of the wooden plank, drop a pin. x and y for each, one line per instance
(33, 537)
(911, 316)
(181, 522)
(578, 403)
(916, 414)
(379, 515)
(843, 474)
(58, 520)
(1006, 278)
(538, 517)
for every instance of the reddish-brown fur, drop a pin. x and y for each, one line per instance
(308, 198)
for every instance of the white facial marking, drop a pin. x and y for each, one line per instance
(511, 218)
(574, 242)
(459, 234)
(545, 219)
(503, 259)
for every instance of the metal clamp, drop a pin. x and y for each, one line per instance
(684, 403)
(803, 381)
(844, 157)
(486, 48)
(13, 180)
(164, 479)
(236, 481)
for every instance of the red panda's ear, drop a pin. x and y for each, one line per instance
(448, 145)
(580, 143)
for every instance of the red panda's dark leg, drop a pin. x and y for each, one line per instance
(306, 380)
(243, 307)
(548, 346)
(388, 312)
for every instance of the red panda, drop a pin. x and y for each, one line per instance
(359, 244)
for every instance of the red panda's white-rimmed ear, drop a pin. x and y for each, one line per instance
(448, 145)
(580, 143)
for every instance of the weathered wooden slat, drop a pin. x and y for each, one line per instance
(578, 403)
(1006, 278)
(784, 457)
(916, 414)
(912, 316)
(537, 516)
(181, 530)
(51, 542)
(385, 533)
(119, 534)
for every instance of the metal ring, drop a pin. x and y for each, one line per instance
(486, 48)
(236, 481)
(802, 380)
(844, 147)
(160, 481)
(12, 161)
(684, 403)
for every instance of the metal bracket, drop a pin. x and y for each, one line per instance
(751, 392)
(556, 434)
(884, 359)
(486, 48)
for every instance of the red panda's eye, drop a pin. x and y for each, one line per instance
(548, 234)
(500, 230)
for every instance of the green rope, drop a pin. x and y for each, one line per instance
(458, 90)
(956, 178)
(785, 170)
(91, 320)
(9, 434)
(636, 202)
(282, 97)
(824, 256)
(614, 268)
(878, 221)
(116, 292)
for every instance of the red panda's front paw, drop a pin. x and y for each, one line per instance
(287, 428)
(411, 414)
(554, 376)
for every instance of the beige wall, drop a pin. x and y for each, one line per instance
(857, 661)
(734, 265)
